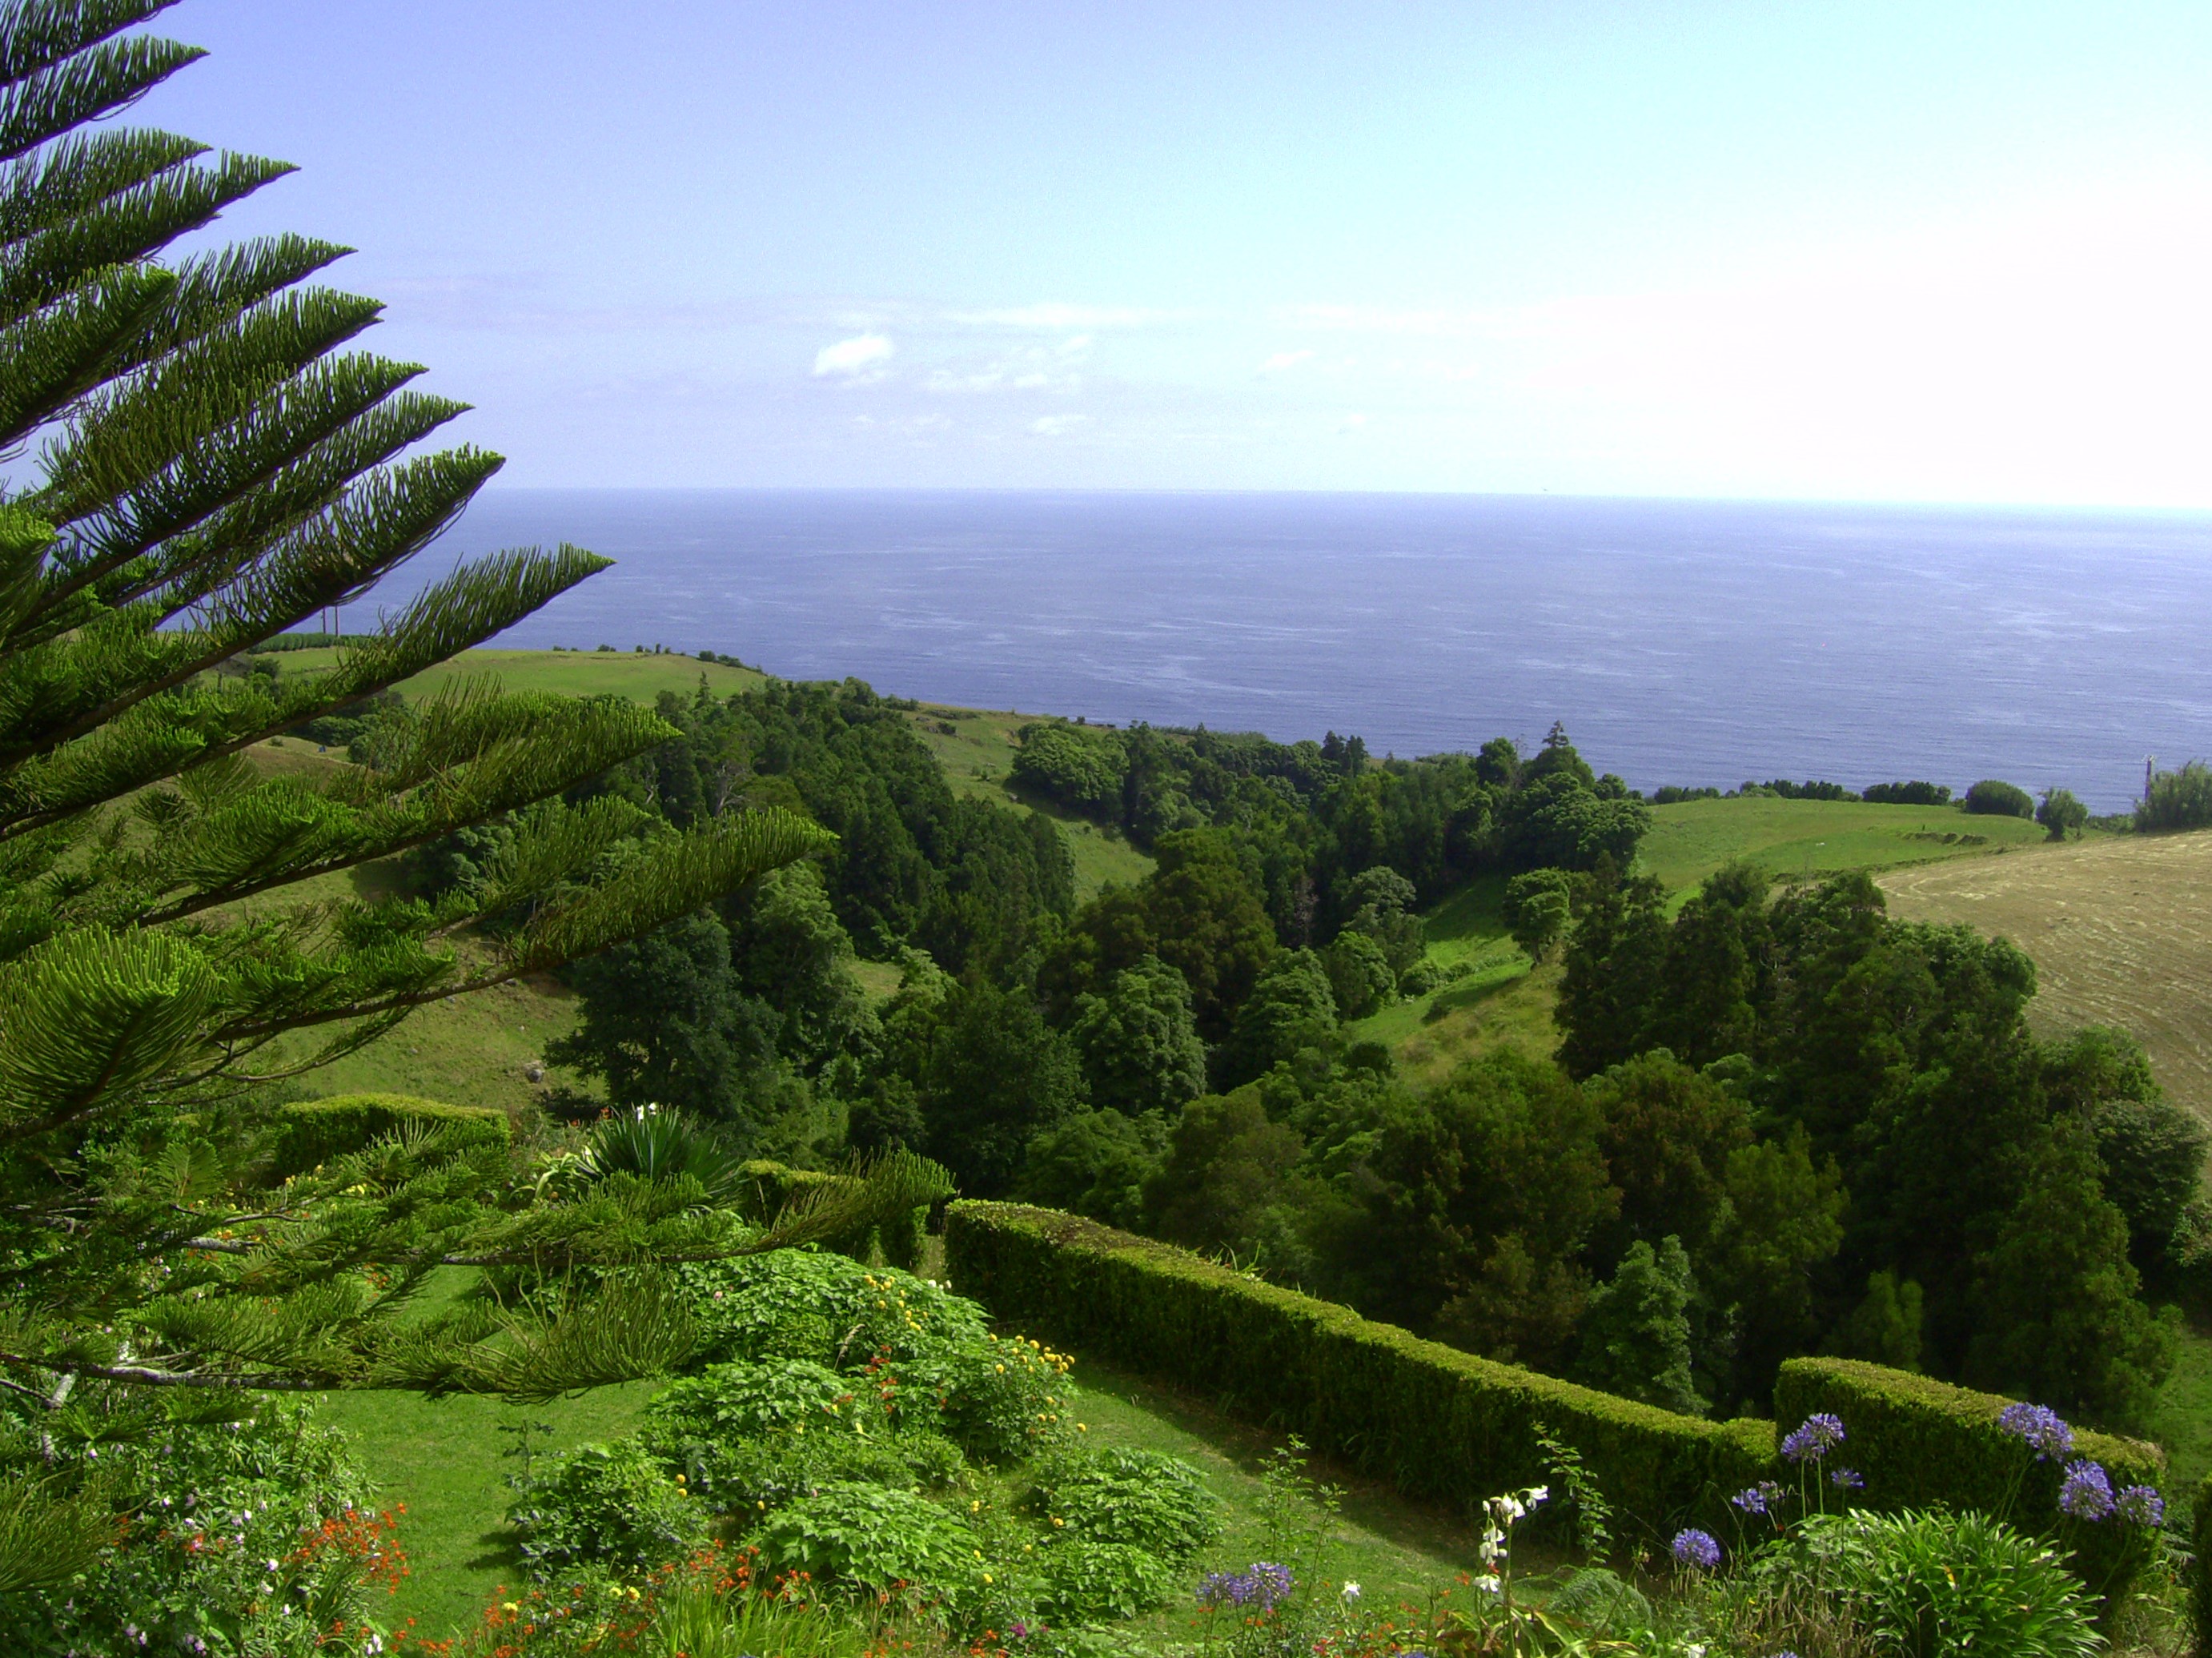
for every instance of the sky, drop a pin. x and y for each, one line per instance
(1932, 250)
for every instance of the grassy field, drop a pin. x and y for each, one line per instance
(2120, 930)
(445, 1459)
(1691, 839)
(640, 676)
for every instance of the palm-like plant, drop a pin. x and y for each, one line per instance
(205, 458)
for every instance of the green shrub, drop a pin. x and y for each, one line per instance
(1435, 1421)
(2177, 799)
(1921, 1443)
(311, 1132)
(1150, 1502)
(851, 1535)
(1087, 1580)
(1992, 798)
(617, 1506)
(1600, 1603)
(1924, 1585)
(738, 1401)
(749, 1478)
(802, 1303)
(1005, 1401)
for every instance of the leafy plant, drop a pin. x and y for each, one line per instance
(611, 1505)
(663, 1145)
(826, 1307)
(851, 1536)
(731, 1401)
(1087, 1579)
(1141, 1498)
(1006, 1401)
(747, 1478)
(1924, 1583)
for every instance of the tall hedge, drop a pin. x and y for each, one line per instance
(1921, 1443)
(1434, 1421)
(310, 1132)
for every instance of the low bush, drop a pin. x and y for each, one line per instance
(2177, 799)
(311, 1132)
(1991, 797)
(798, 1303)
(1920, 1443)
(1924, 1585)
(1150, 1502)
(765, 1187)
(1086, 1580)
(617, 1506)
(736, 1401)
(851, 1536)
(1435, 1421)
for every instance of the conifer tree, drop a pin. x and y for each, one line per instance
(203, 457)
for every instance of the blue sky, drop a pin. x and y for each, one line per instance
(1935, 251)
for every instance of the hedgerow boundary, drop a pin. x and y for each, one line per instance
(1437, 1423)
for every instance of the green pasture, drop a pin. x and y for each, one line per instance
(640, 676)
(1814, 838)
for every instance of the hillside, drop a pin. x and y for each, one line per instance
(2120, 930)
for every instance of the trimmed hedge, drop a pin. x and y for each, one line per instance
(1433, 1420)
(769, 1186)
(310, 1132)
(1920, 1442)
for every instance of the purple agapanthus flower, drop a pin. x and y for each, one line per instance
(2086, 1493)
(1270, 1583)
(1758, 1499)
(2041, 1427)
(1696, 1550)
(1263, 1586)
(1813, 1438)
(2140, 1506)
(1849, 1480)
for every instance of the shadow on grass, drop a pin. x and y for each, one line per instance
(1473, 991)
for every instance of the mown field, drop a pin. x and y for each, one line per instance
(640, 676)
(2120, 930)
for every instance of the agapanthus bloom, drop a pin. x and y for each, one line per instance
(2086, 1493)
(2140, 1506)
(1849, 1480)
(1813, 1438)
(1758, 1499)
(2041, 1427)
(1697, 1549)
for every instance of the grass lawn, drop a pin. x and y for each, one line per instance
(443, 1459)
(2182, 1420)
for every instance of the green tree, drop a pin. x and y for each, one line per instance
(664, 1021)
(2062, 1320)
(1992, 797)
(1095, 1164)
(1782, 1226)
(1227, 1175)
(2063, 814)
(1079, 766)
(1667, 1133)
(788, 952)
(1614, 962)
(1293, 1006)
(1885, 1327)
(1717, 971)
(992, 1075)
(1538, 906)
(206, 463)
(1138, 1041)
(1359, 974)
(1636, 1332)
(2177, 799)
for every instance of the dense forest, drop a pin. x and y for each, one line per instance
(1779, 1122)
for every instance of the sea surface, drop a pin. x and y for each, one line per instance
(1678, 642)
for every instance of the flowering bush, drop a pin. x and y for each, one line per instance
(1146, 1500)
(247, 1536)
(801, 1304)
(616, 1506)
(850, 1536)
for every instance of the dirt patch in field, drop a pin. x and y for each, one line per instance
(2120, 930)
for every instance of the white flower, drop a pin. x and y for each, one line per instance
(1697, 1651)
(272, 1565)
(1350, 1591)
(1535, 1495)
(1489, 1585)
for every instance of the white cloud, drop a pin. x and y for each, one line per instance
(1350, 424)
(1282, 361)
(853, 357)
(1053, 426)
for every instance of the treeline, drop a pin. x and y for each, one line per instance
(1775, 1124)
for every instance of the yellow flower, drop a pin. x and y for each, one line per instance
(631, 1591)
(986, 1576)
(510, 1606)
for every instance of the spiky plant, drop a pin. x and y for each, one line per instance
(203, 458)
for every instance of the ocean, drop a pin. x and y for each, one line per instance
(1682, 643)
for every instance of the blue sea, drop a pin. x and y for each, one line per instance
(1679, 642)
